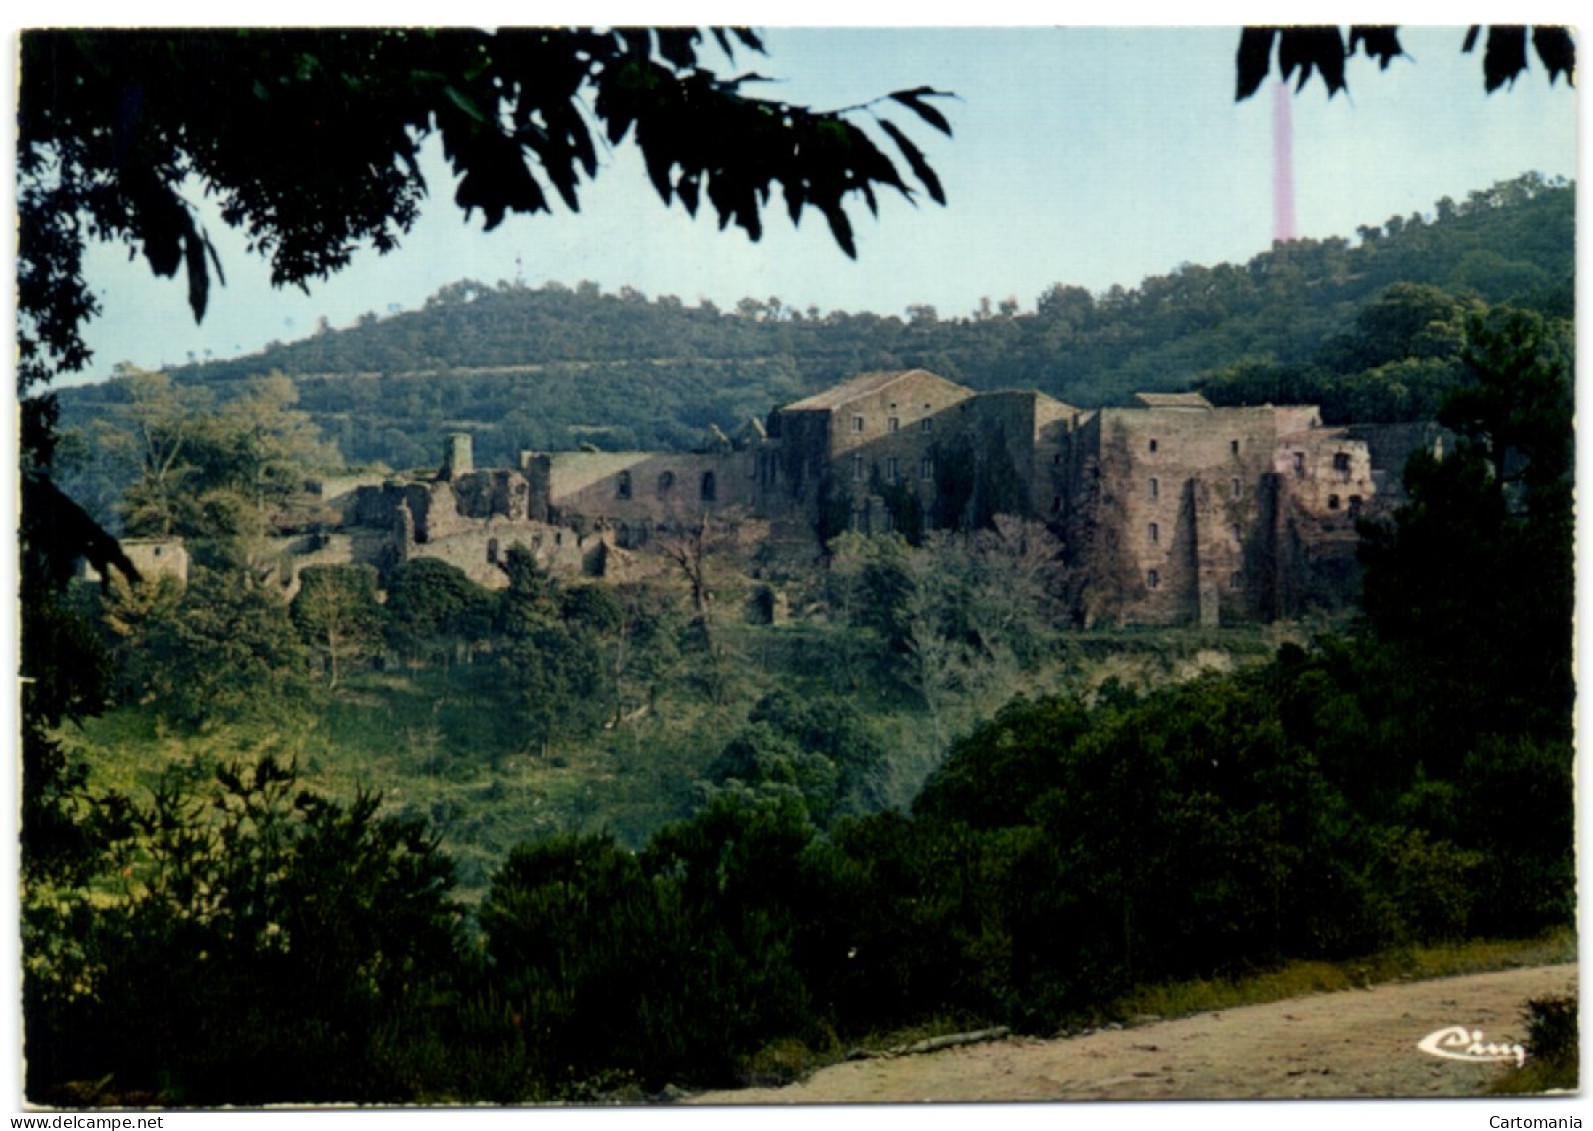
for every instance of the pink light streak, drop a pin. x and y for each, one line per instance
(1282, 166)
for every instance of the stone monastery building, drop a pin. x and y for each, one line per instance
(1171, 511)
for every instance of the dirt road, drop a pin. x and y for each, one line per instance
(1355, 1043)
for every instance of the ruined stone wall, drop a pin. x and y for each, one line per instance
(881, 438)
(330, 488)
(902, 458)
(896, 411)
(1390, 447)
(468, 523)
(478, 549)
(458, 458)
(1292, 418)
(796, 461)
(1101, 570)
(1173, 512)
(1033, 429)
(1324, 568)
(151, 557)
(631, 492)
(1021, 433)
(1068, 465)
(1007, 420)
(1181, 487)
(1326, 483)
(1053, 421)
(1326, 471)
(294, 554)
(498, 494)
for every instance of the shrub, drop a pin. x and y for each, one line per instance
(259, 944)
(1553, 1049)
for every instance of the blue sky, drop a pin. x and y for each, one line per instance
(1091, 156)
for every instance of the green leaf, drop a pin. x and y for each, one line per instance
(686, 189)
(465, 103)
(840, 227)
(1255, 59)
(1381, 43)
(1557, 49)
(749, 38)
(198, 277)
(1505, 57)
(920, 167)
(215, 259)
(913, 100)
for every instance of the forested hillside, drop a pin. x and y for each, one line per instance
(554, 368)
(567, 840)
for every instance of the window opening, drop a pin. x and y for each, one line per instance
(1153, 580)
(623, 490)
(709, 487)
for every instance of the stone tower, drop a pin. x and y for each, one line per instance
(457, 457)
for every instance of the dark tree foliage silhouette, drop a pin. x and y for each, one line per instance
(310, 138)
(1323, 51)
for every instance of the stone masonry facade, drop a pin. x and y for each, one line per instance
(1171, 511)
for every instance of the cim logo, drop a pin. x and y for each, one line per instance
(1460, 1043)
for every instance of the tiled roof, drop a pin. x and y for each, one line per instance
(1172, 400)
(1044, 402)
(859, 386)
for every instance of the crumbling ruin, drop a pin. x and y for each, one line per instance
(1171, 511)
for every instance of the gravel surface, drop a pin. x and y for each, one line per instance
(1354, 1043)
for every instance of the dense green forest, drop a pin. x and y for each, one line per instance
(554, 368)
(410, 839)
